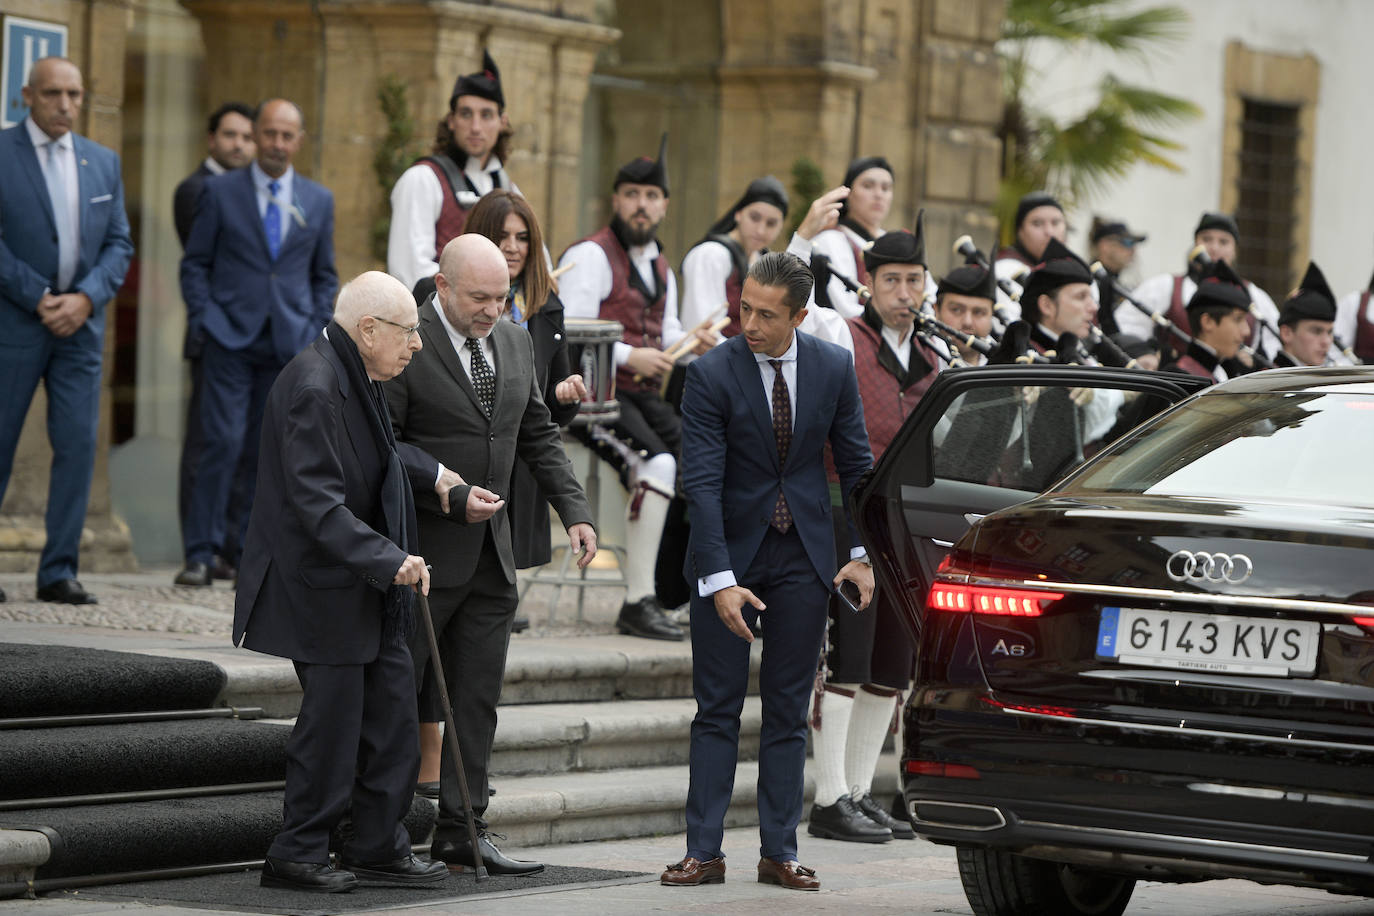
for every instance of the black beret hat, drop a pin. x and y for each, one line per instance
(1031, 201)
(645, 170)
(484, 85)
(1058, 267)
(1312, 299)
(1223, 221)
(899, 247)
(1219, 286)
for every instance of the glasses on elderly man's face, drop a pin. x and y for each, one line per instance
(410, 331)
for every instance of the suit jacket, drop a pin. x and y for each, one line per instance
(730, 466)
(434, 407)
(527, 505)
(184, 201)
(183, 214)
(28, 237)
(315, 568)
(231, 285)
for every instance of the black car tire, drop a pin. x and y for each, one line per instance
(1003, 884)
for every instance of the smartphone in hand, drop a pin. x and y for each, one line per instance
(849, 594)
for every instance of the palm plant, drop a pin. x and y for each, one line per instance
(1083, 156)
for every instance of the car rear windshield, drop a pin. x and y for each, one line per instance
(1302, 447)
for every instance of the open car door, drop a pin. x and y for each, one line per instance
(984, 438)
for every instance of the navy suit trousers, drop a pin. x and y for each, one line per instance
(783, 578)
(234, 387)
(69, 368)
(355, 747)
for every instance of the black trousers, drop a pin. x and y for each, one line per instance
(870, 647)
(355, 745)
(472, 622)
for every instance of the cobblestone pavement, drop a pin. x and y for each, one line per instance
(148, 601)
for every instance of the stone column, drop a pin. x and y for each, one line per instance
(96, 42)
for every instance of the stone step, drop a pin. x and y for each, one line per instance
(617, 804)
(572, 669)
(550, 738)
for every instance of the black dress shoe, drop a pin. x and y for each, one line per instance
(844, 821)
(407, 872)
(66, 591)
(223, 569)
(519, 624)
(2, 596)
(645, 618)
(900, 827)
(194, 574)
(307, 876)
(459, 852)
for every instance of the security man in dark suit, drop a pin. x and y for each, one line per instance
(473, 401)
(329, 564)
(757, 413)
(258, 279)
(229, 145)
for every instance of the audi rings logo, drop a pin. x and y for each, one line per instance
(1201, 566)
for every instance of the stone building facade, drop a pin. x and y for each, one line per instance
(743, 87)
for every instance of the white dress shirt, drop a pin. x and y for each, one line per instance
(416, 202)
(65, 161)
(587, 283)
(900, 348)
(709, 585)
(214, 167)
(285, 196)
(705, 271)
(1347, 325)
(1158, 292)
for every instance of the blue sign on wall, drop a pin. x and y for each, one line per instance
(26, 40)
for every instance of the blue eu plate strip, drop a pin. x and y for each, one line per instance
(1106, 632)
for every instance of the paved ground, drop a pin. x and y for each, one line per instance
(142, 612)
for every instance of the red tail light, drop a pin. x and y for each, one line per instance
(1366, 622)
(979, 599)
(935, 768)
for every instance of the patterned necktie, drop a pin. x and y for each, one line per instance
(483, 382)
(54, 173)
(271, 220)
(782, 433)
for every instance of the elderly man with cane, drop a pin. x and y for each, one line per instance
(328, 578)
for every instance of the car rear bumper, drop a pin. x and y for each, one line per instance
(1144, 803)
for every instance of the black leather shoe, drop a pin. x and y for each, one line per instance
(66, 591)
(844, 821)
(519, 624)
(407, 872)
(307, 876)
(223, 569)
(2, 596)
(459, 852)
(900, 827)
(645, 618)
(194, 574)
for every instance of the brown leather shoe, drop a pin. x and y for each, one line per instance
(690, 872)
(788, 874)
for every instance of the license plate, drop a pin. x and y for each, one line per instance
(1208, 642)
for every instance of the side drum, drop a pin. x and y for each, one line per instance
(590, 347)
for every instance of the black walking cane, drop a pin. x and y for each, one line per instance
(451, 734)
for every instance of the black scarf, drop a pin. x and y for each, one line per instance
(398, 503)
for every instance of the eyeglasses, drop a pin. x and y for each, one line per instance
(410, 331)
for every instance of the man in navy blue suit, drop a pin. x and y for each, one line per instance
(258, 279)
(64, 248)
(757, 413)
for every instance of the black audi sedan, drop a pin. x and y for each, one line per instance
(1144, 651)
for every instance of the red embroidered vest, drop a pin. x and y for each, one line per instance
(1364, 330)
(641, 319)
(452, 217)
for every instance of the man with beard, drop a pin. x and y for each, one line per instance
(1306, 322)
(619, 273)
(230, 146)
(431, 199)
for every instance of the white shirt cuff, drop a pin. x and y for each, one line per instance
(440, 476)
(709, 585)
(858, 553)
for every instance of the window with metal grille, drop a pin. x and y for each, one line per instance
(1266, 213)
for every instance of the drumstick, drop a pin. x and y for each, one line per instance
(715, 329)
(678, 349)
(562, 269)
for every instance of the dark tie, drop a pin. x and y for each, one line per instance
(271, 220)
(483, 382)
(782, 433)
